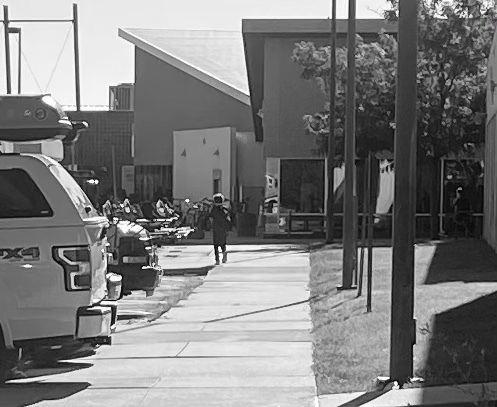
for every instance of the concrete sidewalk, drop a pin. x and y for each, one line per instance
(441, 396)
(184, 260)
(181, 359)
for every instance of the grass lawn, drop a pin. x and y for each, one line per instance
(455, 307)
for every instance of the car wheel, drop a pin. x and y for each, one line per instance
(8, 362)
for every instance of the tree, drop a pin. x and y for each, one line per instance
(454, 40)
(375, 93)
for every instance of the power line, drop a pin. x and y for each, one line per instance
(29, 67)
(58, 59)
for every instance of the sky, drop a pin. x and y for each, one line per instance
(105, 59)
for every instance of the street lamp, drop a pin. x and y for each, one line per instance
(330, 219)
(349, 199)
(17, 30)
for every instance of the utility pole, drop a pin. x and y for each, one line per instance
(76, 55)
(19, 65)
(74, 21)
(17, 30)
(7, 48)
(403, 331)
(349, 234)
(114, 173)
(330, 219)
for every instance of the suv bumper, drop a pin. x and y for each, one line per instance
(94, 322)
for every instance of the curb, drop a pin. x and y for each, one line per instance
(190, 271)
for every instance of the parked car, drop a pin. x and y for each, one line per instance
(134, 257)
(55, 289)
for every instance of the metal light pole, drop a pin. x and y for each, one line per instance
(349, 234)
(7, 48)
(330, 220)
(17, 30)
(76, 55)
(403, 330)
(19, 65)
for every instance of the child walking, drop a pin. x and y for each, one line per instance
(221, 224)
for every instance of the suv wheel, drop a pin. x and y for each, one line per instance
(8, 363)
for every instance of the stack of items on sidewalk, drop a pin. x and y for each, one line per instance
(166, 223)
(159, 219)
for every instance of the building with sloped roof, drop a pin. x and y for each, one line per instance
(193, 128)
(189, 82)
(222, 110)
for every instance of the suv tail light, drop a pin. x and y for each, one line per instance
(75, 261)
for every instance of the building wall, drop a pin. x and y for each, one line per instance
(288, 97)
(168, 100)
(490, 197)
(94, 147)
(251, 165)
(197, 154)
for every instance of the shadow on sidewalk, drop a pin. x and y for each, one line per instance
(274, 255)
(270, 248)
(362, 399)
(26, 394)
(463, 260)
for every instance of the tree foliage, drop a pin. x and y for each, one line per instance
(454, 40)
(375, 95)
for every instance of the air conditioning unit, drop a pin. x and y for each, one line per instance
(122, 97)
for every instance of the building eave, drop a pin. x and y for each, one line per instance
(255, 32)
(184, 66)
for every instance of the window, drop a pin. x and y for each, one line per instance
(20, 197)
(271, 190)
(302, 186)
(466, 174)
(78, 197)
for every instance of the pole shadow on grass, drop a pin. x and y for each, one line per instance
(27, 394)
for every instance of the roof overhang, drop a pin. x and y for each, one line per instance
(254, 32)
(184, 66)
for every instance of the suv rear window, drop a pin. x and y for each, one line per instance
(77, 195)
(20, 197)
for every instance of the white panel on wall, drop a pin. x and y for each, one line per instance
(197, 153)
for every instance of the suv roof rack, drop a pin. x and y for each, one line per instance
(30, 118)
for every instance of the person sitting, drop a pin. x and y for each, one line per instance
(148, 210)
(108, 208)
